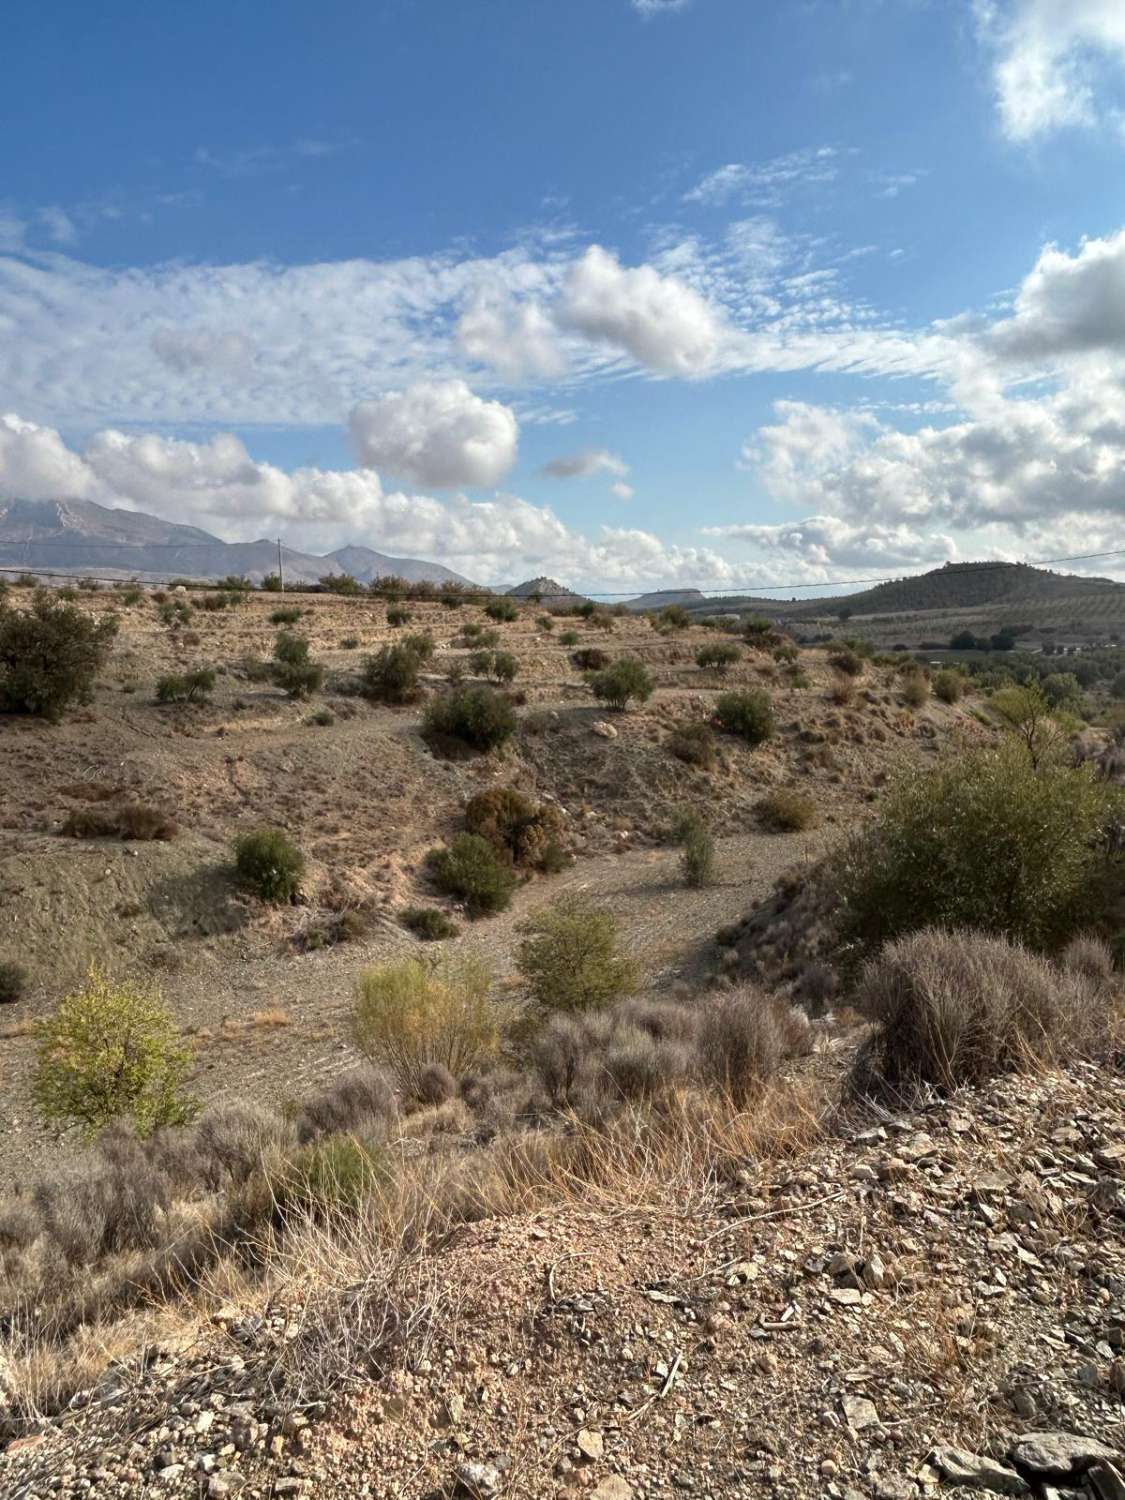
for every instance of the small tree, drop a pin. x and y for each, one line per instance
(986, 841)
(718, 655)
(188, 687)
(50, 656)
(747, 714)
(271, 583)
(293, 671)
(269, 863)
(477, 716)
(569, 956)
(622, 680)
(111, 1051)
(391, 676)
(472, 871)
(1027, 713)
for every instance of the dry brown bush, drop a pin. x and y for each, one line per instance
(955, 1008)
(131, 821)
(743, 1038)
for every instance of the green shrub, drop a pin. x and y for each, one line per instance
(131, 595)
(787, 810)
(188, 687)
(948, 685)
(13, 981)
(569, 956)
(501, 609)
(756, 629)
(397, 615)
(349, 643)
(522, 831)
(288, 616)
(505, 667)
(50, 656)
(325, 1177)
(718, 654)
(749, 715)
(109, 1052)
(915, 689)
(984, 841)
(292, 671)
(339, 583)
(322, 718)
(475, 716)
(391, 675)
(568, 638)
(624, 679)
(412, 1015)
(1026, 712)
(269, 863)
(421, 642)
(174, 613)
(1062, 691)
(590, 659)
(471, 870)
(671, 617)
(271, 583)
(429, 923)
(694, 744)
(697, 861)
(544, 623)
(847, 661)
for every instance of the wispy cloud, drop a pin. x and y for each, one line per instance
(251, 161)
(766, 182)
(649, 8)
(585, 463)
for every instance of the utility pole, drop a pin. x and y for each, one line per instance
(280, 570)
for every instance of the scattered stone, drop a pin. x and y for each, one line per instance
(1057, 1453)
(613, 1487)
(603, 730)
(1106, 1481)
(961, 1467)
(481, 1481)
(859, 1413)
(591, 1445)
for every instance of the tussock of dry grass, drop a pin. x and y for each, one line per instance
(958, 1008)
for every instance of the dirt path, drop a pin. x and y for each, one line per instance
(276, 1028)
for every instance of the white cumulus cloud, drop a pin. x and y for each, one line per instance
(1069, 304)
(1048, 54)
(515, 338)
(437, 433)
(658, 320)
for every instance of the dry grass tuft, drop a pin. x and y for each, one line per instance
(958, 1008)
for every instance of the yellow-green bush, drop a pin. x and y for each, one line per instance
(110, 1051)
(410, 1015)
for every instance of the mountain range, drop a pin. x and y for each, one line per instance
(79, 537)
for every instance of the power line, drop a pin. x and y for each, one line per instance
(161, 578)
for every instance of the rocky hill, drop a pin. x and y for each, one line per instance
(547, 590)
(79, 537)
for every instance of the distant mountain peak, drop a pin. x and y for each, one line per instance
(81, 537)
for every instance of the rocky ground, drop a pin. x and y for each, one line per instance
(907, 1302)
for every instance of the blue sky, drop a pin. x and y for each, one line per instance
(624, 291)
